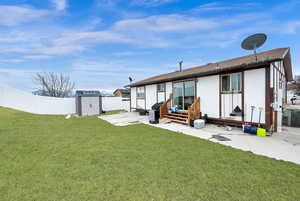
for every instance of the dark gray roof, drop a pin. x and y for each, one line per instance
(263, 58)
(87, 93)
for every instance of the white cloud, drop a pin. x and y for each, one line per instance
(15, 15)
(60, 4)
(158, 31)
(91, 71)
(61, 49)
(103, 66)
(94, 23)
(214, 6)
(292, 26)
(151, 3)
(286, 7)
(13, 49)
(18, 78)
(182, 30)
(38, 57)
(98, 72)
(217, 6)
(91, 37)
(142, 32)
(131, 53)
(19, 59)
(49, 50)
(11, 61)
(84, 39)
(166, 23)
(221, 39)
(17, 71)
(107, 3)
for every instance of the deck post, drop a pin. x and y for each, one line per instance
(164, 108)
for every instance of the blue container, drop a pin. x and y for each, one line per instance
(250, 130)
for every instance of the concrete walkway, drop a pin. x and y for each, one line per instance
(282, 146)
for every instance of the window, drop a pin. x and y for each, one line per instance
(236, 82)
(280, 82)
(225, 83)
(231, 83)
(140, 92)
(183, 94)
(161, 87)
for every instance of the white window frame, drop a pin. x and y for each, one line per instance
(163, 85)
(230, 83)
(140, 92)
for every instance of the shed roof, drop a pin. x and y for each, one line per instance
(246, 62)
(87, 93)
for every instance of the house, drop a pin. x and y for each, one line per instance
(234, 91)
(125, 93)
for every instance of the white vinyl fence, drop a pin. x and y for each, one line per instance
(19, 100)
(112, 103)
(126, 104)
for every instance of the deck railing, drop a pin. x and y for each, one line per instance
(164, 108)
(194, 111)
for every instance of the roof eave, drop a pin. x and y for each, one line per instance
(287, 63)
(207, 73)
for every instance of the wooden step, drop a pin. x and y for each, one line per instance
(178, 117)
(179, 121)
(175, 117)
(181, 111)
(179, 114)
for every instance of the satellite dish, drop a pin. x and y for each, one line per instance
(254, 41)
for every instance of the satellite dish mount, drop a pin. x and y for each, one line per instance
(180, 65)
(130, 79)
(253, 42)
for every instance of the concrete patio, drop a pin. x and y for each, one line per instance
(125, 118)
(282, 146)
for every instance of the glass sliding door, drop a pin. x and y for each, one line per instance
(178, 94)
(189, 94)
(183, 94)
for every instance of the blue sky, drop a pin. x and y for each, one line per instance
(99, 43)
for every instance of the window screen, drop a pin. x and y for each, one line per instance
(235, 82)
(226, 83)
(231, 83)
(161, 87)
(140, 92)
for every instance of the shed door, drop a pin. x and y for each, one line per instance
(90, 106)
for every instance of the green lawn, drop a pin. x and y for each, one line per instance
(49, 158)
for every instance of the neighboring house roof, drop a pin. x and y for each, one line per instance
(245, 62)
(123, 91)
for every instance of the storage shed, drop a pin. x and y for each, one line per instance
(88, 103)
